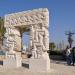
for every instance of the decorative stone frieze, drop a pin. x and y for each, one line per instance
(27, 17)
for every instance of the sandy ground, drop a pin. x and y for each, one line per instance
(57, 68)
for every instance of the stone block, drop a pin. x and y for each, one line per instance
(39, 65)
(9, 63)
(12, 61)
(18, 60)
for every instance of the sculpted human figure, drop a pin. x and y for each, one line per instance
(34, 54)
(31, 36)
(11, 44)
(46, 38)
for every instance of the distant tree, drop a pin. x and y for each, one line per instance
(2, 29)
(52, 46)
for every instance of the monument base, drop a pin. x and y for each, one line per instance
(39, 65)
(12, 61)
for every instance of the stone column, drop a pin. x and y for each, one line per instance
(13, 43)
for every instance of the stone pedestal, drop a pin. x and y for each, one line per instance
(39, 65)
(12, 61)
(18, 60)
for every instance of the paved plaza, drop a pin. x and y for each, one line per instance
(57, 68)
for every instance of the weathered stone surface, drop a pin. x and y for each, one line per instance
(39, 65)
(12, 39)
(37, 21)
(12, 60)
(27, 17)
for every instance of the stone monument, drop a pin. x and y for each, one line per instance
(37, 21)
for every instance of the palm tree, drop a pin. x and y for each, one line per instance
(2, 30)
(52, 46)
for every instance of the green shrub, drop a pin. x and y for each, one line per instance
(55, 52)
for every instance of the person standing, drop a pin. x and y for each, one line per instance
(73, 55)
(68, 55)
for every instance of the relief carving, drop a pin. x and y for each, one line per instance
(38, 22)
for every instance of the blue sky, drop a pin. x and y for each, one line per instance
(62, 14)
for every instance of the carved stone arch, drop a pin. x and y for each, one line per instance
(38, 22)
